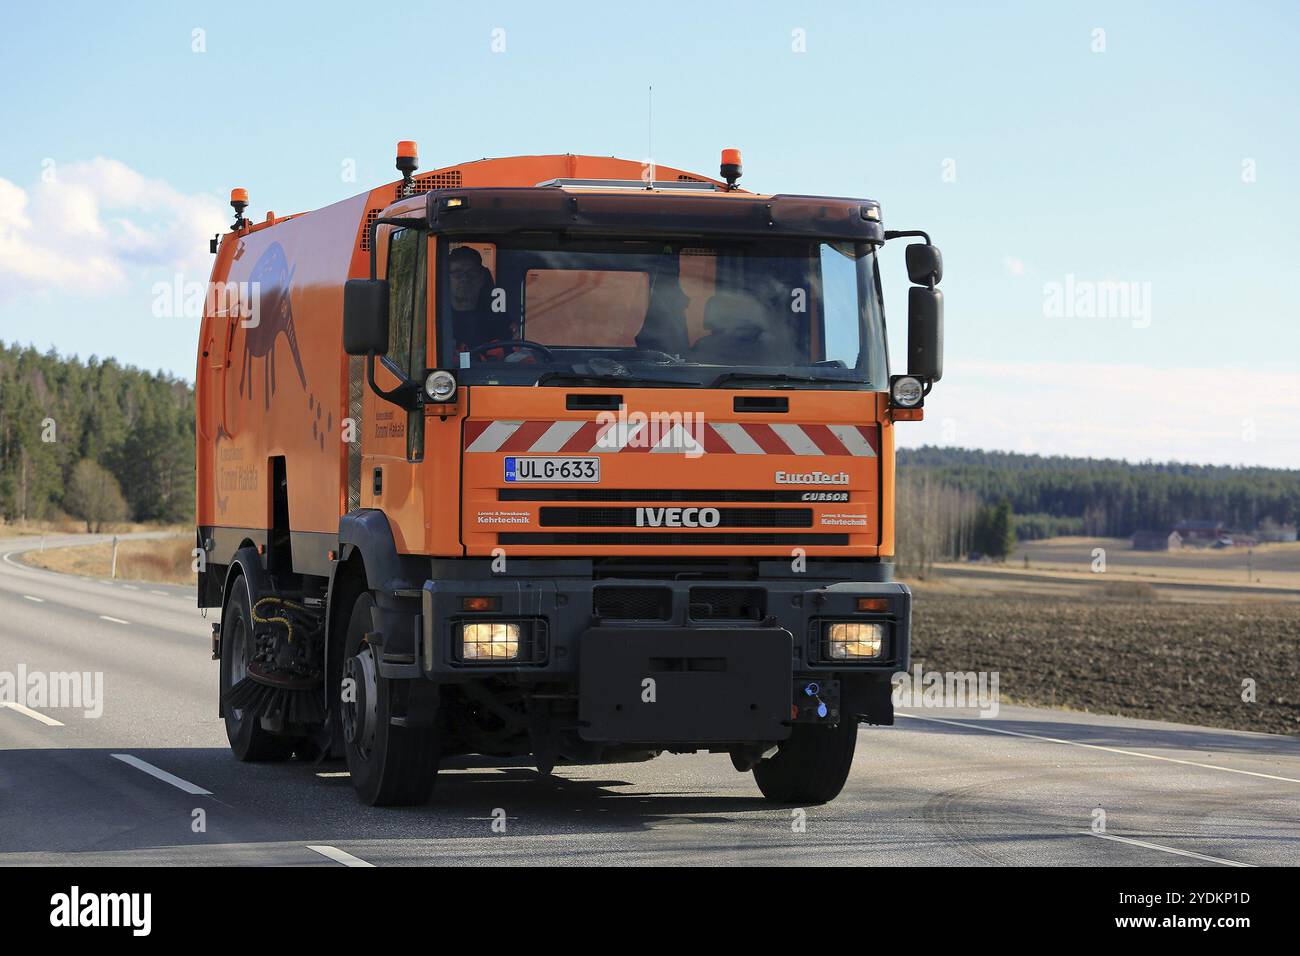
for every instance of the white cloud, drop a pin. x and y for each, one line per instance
(99, 224)
(1202, 415)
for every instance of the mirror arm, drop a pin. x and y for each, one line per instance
(889, 234)
(902, 233)
(407, 395)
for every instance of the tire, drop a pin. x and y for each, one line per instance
(249, 742)
(811, 766)
(390, 766)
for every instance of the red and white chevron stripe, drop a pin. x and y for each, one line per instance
(519, 437)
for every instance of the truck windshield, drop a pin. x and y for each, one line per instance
(542, 309)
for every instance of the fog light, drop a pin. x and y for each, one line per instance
(494, 641)
(851, 641)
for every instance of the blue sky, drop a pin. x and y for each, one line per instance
(1162, 152)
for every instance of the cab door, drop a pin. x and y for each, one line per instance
(393, 442)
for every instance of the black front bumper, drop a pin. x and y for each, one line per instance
(561, 611)
(715, 679)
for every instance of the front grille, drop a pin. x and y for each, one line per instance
(671, 538)
(728, 604)
(710, 495)
(627, 518)
(632, 604)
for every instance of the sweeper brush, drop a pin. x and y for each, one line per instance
(283, 680)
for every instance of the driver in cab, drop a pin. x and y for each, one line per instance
(474, 323)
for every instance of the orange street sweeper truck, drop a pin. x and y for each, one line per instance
(559, 457)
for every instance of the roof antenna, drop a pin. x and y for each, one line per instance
(650, 137)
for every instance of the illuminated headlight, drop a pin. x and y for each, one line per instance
(906, 391)
(852, 641)
(440, 386)
(489, 641)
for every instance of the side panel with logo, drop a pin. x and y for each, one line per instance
(273, 379)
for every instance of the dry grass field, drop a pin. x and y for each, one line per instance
(162, 561)
(1273, 565)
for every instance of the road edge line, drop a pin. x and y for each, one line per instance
(1112, 750)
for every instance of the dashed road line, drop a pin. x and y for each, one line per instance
(30, 597)
(163, 775)
(1111, 750)
(33, 714)
(115, 620)
(1165, 849)
(339, 856)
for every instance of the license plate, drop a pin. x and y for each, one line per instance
(553, 469)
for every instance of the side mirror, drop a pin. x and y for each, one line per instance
(924, 331)
(924, 264)
(365, 316)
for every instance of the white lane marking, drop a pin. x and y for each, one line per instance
(36, 599)
(1166, 849)
(130, 587)
(163, 593)
(162, 775)
(33, 714)
(555, 437)
(1112, 750)
(339, 856)
(115, 620)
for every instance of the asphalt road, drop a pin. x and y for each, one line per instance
(133, 785)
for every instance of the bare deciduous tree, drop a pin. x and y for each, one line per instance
(933, 522)
(94, 496)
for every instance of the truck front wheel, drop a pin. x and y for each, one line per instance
(390, 766)
(811, 766)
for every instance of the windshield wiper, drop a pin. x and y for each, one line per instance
(777, 377)
(633, 381)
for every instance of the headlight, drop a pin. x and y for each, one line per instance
(906, 391)
(440, 386)
(852, 641)
(489, 641)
